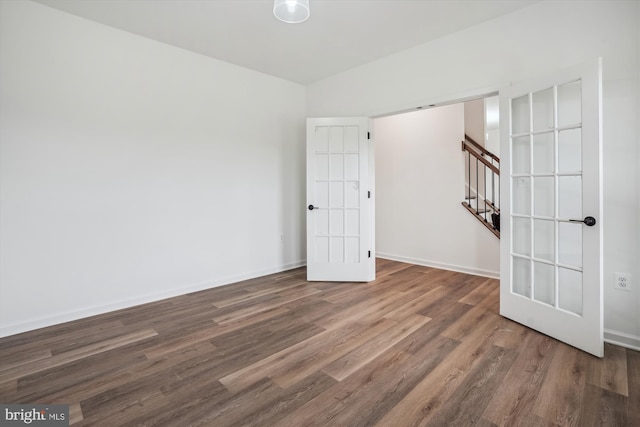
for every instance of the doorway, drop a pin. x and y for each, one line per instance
(420, 185)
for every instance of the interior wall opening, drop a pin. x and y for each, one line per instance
(420, 183)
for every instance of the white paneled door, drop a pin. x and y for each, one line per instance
(551, 243)
(340, 209)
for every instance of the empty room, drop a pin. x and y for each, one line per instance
(320, 212)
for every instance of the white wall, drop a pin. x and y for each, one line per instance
(474, 120)
(541, 38)
(132, 170)
(420, 187)
(492, 124)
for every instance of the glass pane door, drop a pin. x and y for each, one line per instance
(546, 188)
(550, 261)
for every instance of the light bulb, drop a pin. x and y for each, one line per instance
(291, 11)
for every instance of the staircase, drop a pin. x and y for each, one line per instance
(482, 184)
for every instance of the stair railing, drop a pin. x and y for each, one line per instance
(482, 169)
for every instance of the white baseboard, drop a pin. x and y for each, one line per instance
(29, 325)
(441, 265)
(622, 339)
(610, 336)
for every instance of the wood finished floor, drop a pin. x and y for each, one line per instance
(417, 347)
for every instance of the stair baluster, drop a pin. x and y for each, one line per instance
(489, 213)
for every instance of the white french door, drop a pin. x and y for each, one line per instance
(551, 251)
(340, 209)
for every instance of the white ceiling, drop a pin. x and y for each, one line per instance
(341, 34)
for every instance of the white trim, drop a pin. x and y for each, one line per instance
(19, 327)
(622, 339)
(438, 101)
(441, 265)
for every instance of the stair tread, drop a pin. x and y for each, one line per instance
(485, 221)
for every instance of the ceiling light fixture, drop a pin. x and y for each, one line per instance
(291, 11)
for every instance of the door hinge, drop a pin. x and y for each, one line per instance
(368, 135)
(368, 194)
(369, 254)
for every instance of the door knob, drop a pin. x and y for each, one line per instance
(588, 220)
(311, 207)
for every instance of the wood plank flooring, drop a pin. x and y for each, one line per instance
(417, 347)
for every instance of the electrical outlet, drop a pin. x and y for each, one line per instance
(622, 281)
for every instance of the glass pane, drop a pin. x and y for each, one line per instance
(352, 170)
(570, 244)
(570, 290)
(521, 155)
(322, 166)
(570, 150)
(322, 194)
(544, 240)
(337, 195)
(336, 139)
(351, 139)
(336, 251)
(352, 223)
(520, 115)
(321, 139)
(337, 166)
(543, 110)
(352, 190)
(521, 283)
(521, 232)
(543, 159)
(521, 191)
(336, 222)
(352, 250)
(322, 221)
(570, 103)
(322, 249)
(544, 283)
(544, 196)
(570, 197)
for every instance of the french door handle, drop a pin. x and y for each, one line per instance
(311, 207)
(588, 220)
